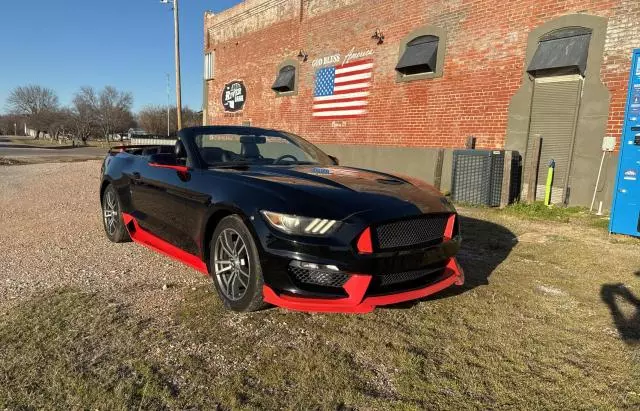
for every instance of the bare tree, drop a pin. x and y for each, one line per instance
(60, 123)
(114, 111)
(85, 113)
(35, 102)
(11, 124)
(154, 119)
(105, 112)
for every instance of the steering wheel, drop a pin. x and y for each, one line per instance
(279, 159)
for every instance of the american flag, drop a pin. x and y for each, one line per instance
(342, 91)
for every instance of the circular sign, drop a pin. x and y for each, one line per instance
(234, 96)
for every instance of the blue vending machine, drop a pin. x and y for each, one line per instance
(625, 212)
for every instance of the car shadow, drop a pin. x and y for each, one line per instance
(628, 324)
(485, 245)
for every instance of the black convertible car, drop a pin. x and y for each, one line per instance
(274, 220)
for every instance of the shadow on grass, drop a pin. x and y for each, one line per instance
(485, 245)
(628, 324)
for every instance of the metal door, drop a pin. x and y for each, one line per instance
(625, 212)
(554, 111)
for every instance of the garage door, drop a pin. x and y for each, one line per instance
(554, 111)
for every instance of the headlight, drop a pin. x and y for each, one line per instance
(292, 224)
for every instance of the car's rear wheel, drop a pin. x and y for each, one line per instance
(235, 266)
(112, 216)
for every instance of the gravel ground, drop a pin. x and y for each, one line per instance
(52, 236)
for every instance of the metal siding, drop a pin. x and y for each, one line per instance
(554, 111)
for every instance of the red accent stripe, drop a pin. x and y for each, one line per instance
(141, 236)
(181, 169)
(448, 231)
(364, 244)
(352, 73)
(356, 287)
(355, 63)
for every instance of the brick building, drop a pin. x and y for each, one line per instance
(387, 84)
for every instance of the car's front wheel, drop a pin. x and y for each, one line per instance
(112, 216)
(235, 266)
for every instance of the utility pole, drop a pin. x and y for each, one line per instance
(168, 106)
(176, 24)
(176, 27)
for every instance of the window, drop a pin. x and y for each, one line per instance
(259, 147)
(422, 54)
(564, 49)
(209, 65)
(419, 57)
(286, 83)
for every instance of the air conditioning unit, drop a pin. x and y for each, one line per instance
(477, 177)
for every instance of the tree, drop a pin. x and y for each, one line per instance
(60, 123)
(114, 111)
(154, 119)
(106, 112)
(35, 102)
(84, 116)
(11, 123)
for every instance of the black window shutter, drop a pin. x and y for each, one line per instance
(420, 56)
(567, 48)
(286, 80)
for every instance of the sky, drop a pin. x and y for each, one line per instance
(128, 44)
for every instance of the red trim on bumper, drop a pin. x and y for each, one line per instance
(140, 236)
(356, 287)
(364, 245)
(448, 231)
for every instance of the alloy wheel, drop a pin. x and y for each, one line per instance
(231, 264)
(110, 212)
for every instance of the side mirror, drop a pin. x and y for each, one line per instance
(335, 160)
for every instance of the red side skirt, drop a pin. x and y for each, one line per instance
(139, 235)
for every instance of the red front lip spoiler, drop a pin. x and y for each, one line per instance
(356, 287)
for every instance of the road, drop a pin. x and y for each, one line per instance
(25, 151)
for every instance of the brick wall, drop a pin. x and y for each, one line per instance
(484, 61)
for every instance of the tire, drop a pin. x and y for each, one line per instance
(112, 216)
(235, 266)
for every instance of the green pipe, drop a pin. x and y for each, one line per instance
(547, 190)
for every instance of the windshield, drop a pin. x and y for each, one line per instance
(266, 148)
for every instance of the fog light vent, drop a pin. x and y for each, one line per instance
(319, 275)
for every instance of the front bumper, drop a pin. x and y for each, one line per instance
(357, 300)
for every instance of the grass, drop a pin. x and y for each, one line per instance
(539, 324)
(539, 211)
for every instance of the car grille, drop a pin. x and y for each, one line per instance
(415, 231)
(319, 277)
(396, 278)
(407, 280)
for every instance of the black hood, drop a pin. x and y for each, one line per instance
(352, 190)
